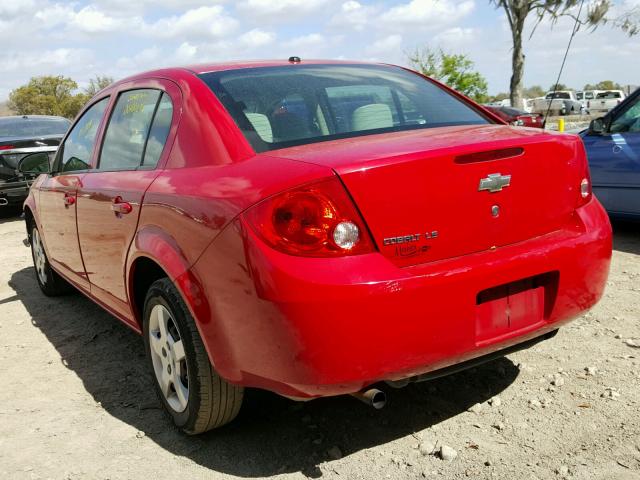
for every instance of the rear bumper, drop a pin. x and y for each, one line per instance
(314, 327)
(13, 194)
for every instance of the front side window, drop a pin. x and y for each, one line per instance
(277, 107)
(629, 121)
(126, 135)
(78, 147)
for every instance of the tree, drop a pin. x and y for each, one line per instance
(517, 12)
(96, 84)
(454, 70)
(604, 85)
(533, 92)
(49, 95)
(558, 87)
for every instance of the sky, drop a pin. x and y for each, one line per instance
(117, 38)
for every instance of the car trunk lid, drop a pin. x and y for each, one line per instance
(428, 195)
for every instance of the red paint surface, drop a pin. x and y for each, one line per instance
(323, 326)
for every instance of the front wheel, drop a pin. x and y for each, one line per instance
(192, 393)
(51, 284)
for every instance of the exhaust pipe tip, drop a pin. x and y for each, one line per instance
(3, 202)
(373, 397)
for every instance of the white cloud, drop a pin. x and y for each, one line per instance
(92, 20)
(353, 15)
(279, 10)
(454, 37)
(10, 9)
(198, 22)
(384, 46)
(427, 13)
(257, 38)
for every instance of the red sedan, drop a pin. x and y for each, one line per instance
(516, 117)
(314, 228)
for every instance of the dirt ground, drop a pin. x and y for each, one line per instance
(76, 402)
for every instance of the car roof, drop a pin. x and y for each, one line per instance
(237, 65)
(32, 117)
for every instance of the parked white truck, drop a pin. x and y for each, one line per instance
(605, 101)
(561, 102)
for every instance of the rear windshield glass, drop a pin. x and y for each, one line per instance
(277, 107)
(609, 95)
(563, 95)
(33, 127)
(513, 111)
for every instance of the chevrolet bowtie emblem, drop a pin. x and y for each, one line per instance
(494, 182)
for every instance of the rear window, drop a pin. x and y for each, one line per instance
(33, 127)
(513, 111)
(562, 95)
(606, 95)
(277, 107)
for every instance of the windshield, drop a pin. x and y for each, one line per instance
(563, 95)
(32, 127)
(277, 107)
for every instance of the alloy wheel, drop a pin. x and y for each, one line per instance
(39, 257)
(169, 358)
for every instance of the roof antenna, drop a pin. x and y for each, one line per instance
(555, 87)
(294, 60)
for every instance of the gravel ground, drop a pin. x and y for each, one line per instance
(76, 403)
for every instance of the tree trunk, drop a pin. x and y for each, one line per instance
(517, 65)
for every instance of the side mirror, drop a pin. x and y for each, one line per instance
(598, 126)
(35, 163)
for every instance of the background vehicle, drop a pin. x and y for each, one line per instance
(584, 97)
(517, 117)
(558, 103)
(605, 101)
(314, 229)
(20, 136)
(613, 149)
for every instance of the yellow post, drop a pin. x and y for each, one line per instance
(561, 124)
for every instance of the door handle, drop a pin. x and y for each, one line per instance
(617, 149)
(69, 199)
(121, 207)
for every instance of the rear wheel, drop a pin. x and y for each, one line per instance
(49, 281)
(192, 393)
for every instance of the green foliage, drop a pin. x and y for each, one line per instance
(49, 95)
(96, 84)
(559, 87)
(534, 92)
(454, 70)
(604, 85)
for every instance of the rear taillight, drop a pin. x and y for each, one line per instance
(584, 189)
(316, 220)
(6, 147)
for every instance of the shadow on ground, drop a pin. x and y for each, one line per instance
(272, 435)
(626, 236)
(10, 215)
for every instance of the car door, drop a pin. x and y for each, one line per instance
(614, 160)
(58, 194)
(110, 196)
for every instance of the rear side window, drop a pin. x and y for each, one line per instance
(126, 136)
(78, 147)
(159, 132)
(277, 107)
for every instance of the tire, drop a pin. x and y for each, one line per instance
(192, 393)
(49, 281)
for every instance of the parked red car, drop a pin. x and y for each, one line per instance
(516, 117)
(313, 228)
